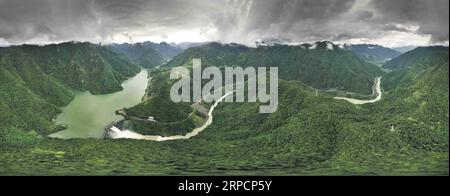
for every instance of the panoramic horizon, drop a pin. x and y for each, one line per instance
(382, 22)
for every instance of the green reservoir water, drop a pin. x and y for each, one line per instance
(87, 115)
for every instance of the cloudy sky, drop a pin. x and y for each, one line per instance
(386, 22)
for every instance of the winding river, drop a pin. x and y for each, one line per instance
(377, 92)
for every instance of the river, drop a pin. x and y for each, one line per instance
(377, 92)
(87, 115)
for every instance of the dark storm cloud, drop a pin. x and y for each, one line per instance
(297, 20)
(230, 20)
(285, 13)
(21, 20)
(432, 16)
(335, 19)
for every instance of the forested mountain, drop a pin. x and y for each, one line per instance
(37, 79)
(417, 98)
(374, 53)
(166, 50)
(410, 58)
(24, 105)
(143, 55)
(322, 65)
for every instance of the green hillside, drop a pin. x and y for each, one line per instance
(417, 100)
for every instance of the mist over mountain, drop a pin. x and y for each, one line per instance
(405, 48)
(166, 50)
(186, 45)
(374, 53)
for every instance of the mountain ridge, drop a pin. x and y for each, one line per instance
(338, 68)
(408, 59)
(374, 53)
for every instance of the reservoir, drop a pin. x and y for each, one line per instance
(87, 115)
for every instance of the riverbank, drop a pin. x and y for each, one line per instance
(377, 91)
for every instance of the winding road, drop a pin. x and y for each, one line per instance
(377, 92)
